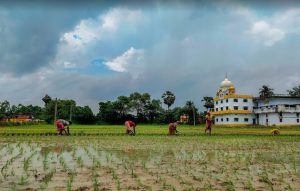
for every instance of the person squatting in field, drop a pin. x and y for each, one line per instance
(130, 127)
(208, 123)
(61, 125)
(172, 128)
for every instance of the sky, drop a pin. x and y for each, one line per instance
(93, 51)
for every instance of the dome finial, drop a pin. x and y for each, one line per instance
(226, 75)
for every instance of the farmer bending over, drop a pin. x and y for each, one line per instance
(130, 127)
(208, 124)
(172, 128)
(61, 125)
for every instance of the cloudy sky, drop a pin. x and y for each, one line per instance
(92, 51)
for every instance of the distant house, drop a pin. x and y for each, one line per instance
(24, 117)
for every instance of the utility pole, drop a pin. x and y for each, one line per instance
(55, 110)
(194, 116)
(71, 107)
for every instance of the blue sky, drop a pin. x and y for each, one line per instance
(93, 51)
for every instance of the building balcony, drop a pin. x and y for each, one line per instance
(231, 112)
(278, 108)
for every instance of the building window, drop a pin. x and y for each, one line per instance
(236, 119)
(226, 100)
(266, 115)
(297, 114)
(222, 119)
(297, 120)
(221, 101)
(227, 108)
(245, 108)
(280, 120)
(227, 119)
(246, 119)
(221, 108)
(245, 100)
(216, 102)
(217, 109)
(236, 108)
(235, 100)
(217, 119)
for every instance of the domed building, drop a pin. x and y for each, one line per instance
(231, 108)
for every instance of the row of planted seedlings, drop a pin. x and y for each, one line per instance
(76, 165)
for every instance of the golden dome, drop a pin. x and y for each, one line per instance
(226, 83)
(232, 87)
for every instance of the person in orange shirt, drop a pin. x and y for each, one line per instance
(208, 123)
(173, 128)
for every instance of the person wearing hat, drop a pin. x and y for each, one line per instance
(208, 123)
(172, 128)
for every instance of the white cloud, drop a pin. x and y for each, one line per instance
(269, 34)
(112, 20)
(69, 65)
(76, 46)
(128, 61)
(272, 29)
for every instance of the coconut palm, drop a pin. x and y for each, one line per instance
(265, 91)
(191, 105)
(295, 91)
(208, 102)
(169, 98)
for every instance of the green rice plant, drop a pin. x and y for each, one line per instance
(63, 163)
(79, 161)
(249, 186)
(265, 178)
(23, 180)
(95, 182)
(48, 177)
(133, 174)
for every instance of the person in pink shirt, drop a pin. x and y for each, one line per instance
(130, 127)
(61, 126)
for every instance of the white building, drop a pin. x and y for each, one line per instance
(277, 110)
(231, 108)
(235, 109)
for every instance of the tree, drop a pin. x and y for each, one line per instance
(265, 91)
(191, 106)
(208, 102)
(46, 99)
(4, 108)
(63, 109)
(153, 110)
(295, 91)
(169, 98)
(84, 115)
(138, 103)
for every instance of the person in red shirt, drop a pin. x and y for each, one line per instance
(61, 126)
(172, 128)
(130, 127)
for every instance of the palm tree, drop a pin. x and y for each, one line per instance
(208, 102)
(46, 99)
(191, 105)
(265, 91)
(295, 91)
(169, 98)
